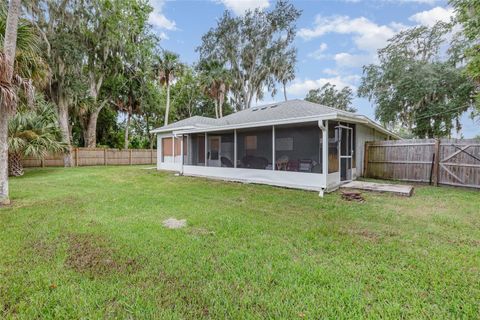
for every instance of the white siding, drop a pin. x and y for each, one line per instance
(365, 134)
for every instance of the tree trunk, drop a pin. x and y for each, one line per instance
(167, 110)
(10, 46)
(216, 108)
(127, 126)
(285, 91)
(4, 200)
(65, 130)
(91, 136)
(221, 99)
(15, 164)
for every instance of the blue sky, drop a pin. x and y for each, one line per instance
(334, 38)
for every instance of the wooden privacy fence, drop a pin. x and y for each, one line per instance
(446, 161)
(97, 157)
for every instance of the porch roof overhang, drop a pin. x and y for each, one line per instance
(330, 116)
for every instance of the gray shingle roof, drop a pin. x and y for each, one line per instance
(195, 121)
(276, 111)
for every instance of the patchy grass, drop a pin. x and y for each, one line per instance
(89, 243)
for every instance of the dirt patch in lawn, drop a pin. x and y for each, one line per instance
(369, 235)
(199, 231)
(92, 254)
(47, 249)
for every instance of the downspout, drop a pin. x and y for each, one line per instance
(324, 128)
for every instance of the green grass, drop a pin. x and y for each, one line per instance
(89, 243)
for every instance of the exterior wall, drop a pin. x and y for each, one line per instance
(298, 180)
(170, 163)
(365, 134)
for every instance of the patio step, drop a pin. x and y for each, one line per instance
(398, 189)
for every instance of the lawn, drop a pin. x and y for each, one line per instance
(89, 243)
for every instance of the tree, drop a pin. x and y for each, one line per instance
(215, 83)
(104, 49)
(33, 133)
(329, 96)
(285, 70)
(168, 68)
(412, 85)
(58, 22)
(7, 93)
(467, 13)
(252, 45)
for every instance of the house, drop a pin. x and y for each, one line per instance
(296, 144)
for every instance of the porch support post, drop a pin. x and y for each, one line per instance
(206, 149)
(273, 149)
(235, 148)
(173, 147)
(159, 149)
(181, 153)
(324, 127)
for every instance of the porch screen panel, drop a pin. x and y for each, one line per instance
(298, 149)
(333, 141)
(354, 145)
(196, 156)
(254, 149)
(227, 150)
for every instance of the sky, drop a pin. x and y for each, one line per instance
(334, 38)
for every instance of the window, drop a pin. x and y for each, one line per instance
(167, 150)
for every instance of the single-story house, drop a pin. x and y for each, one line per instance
(296, 144)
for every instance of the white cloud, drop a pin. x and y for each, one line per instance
(431, 2)
(344, 59)
(240, 6)
(158, 19)
(319, 53)
(430, 17)
(368, 36)
(301, 87)
(331, 72)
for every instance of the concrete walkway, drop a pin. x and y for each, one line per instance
(398, 189)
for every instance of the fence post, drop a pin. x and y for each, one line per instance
(130, 157)
(42, 162)
(151, 156)
(76, 157)
(104, 156)
(365, 160)
(436, 164)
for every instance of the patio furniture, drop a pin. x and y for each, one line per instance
(282, 163)
(226, 162)
(305, 165)
(292, 165)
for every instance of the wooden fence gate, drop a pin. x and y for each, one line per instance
(445, 161)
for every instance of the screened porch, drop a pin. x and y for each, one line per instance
(287, 155)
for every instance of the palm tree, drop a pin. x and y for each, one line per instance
(168, 68)
(215, 82)
(7, 92)
(33, 133)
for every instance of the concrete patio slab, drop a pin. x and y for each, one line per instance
(398, 189)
